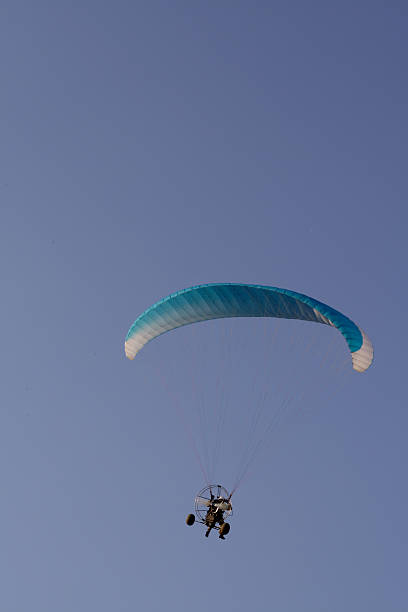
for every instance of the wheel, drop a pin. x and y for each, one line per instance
(190, 519)
(224, 529)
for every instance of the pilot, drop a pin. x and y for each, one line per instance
(214, 515)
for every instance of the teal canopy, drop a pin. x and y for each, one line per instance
(224, 300)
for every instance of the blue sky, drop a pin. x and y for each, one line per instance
(146, 147)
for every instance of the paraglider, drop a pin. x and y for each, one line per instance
(211, 510)
(230, 300)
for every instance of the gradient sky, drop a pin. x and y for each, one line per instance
(147, 146)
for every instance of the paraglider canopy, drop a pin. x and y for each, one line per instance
(224, 300)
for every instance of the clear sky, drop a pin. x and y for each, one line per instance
(147, 146)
